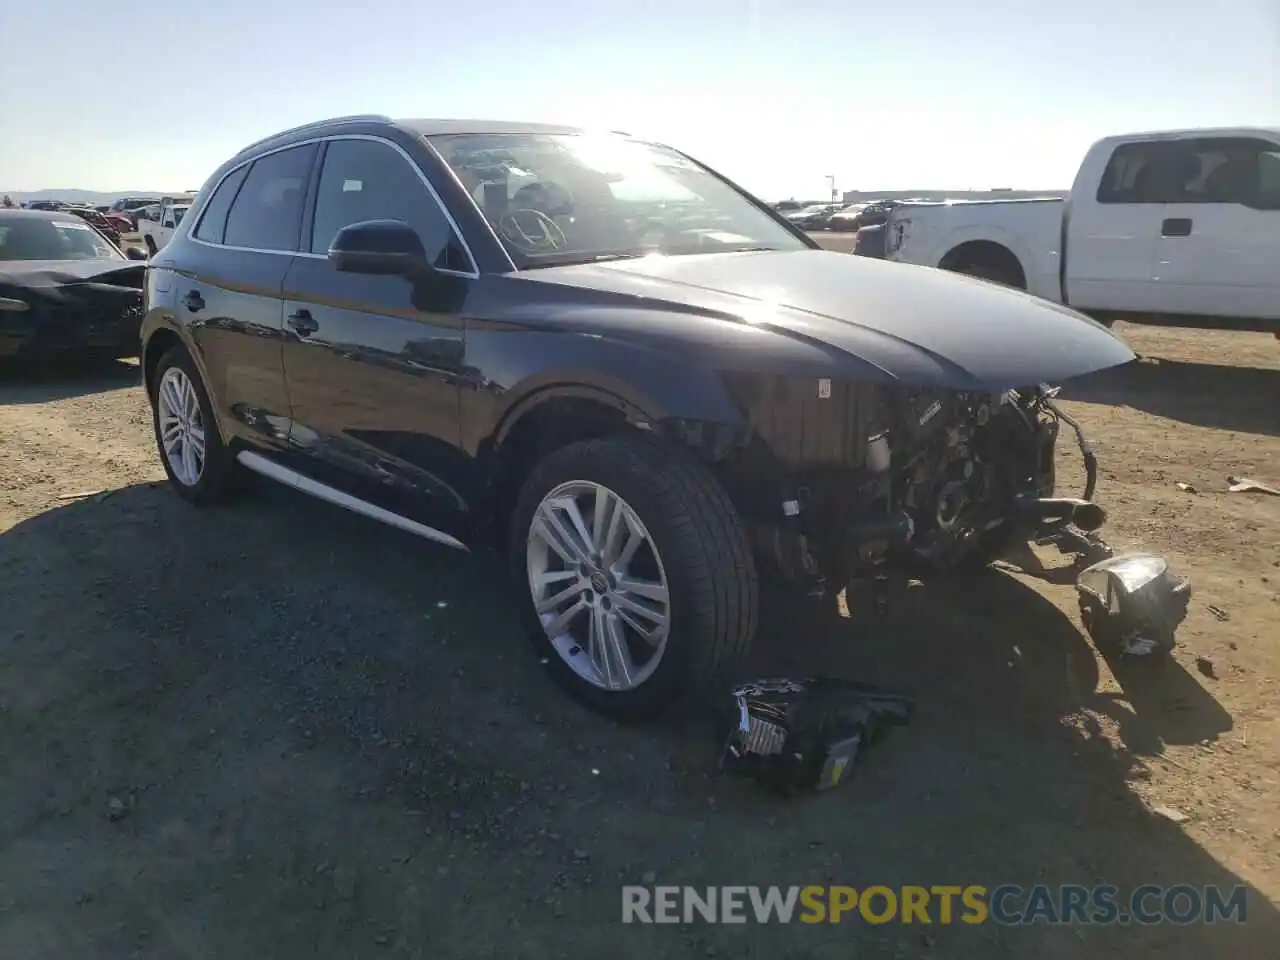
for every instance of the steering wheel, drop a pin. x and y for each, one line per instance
(544, 238)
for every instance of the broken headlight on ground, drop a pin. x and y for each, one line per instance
(803, 734)
(1133, 602)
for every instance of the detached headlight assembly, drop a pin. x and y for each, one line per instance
(1134, 602)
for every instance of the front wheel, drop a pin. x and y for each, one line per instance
(636, 576)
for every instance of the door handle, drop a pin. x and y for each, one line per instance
(302, 322)
(194, 302)
(1176, 227)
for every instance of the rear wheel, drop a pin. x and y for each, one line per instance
(636, 576)
(991, 272)
(198, 464)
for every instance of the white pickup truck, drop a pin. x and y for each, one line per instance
(157, 222)
(1179, 228)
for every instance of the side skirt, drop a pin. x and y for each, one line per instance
(291, 478)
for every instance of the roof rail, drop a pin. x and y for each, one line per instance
(317, 125)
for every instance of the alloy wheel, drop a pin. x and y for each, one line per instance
(181, 423)
(598, 585)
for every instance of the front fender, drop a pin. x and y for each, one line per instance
(527, 368)
(160, 321)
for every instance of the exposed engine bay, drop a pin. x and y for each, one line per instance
(920, 480)
(870, 484)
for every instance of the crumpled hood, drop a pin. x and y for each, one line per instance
(56, 273)
(918, 324)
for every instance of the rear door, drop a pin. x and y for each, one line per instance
(1218, 253)
(228, 284)
(1111, 239)
(373, 362)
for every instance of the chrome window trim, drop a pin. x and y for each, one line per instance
(473, 273)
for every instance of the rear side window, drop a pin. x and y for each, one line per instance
(370, 180)
(267, 212)
(213, 223)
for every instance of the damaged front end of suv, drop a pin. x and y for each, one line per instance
(852, 483)
(866, 476)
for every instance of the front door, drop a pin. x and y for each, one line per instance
(373, 362)
(1219, 247)
(1111, 237)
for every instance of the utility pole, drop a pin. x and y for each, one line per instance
(831, 177)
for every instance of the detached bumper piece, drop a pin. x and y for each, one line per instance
(1133, 602)
(799, 735)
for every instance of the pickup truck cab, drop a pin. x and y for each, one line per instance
(1179, 228)
(157, 223)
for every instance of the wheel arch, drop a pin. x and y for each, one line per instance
(157, 343)
(985, 237)
(987, 252)
(160, 334)
(556, 408)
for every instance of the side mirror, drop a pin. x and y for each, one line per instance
(135, 253)
(379, 247)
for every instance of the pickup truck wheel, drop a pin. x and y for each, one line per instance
(199, 466)
(637, 581)
(991, 272)
(151, 245)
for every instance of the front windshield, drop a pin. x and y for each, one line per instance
(555, 199)
(31, 238)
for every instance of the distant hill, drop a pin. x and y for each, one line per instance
(94, 197)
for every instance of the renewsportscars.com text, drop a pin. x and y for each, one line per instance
(1007, 904)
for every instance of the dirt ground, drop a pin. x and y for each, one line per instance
(279, 730)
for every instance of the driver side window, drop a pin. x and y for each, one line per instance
(369, 180)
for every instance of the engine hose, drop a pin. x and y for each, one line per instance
(1086, 449)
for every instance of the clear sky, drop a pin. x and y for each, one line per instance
(776, 95)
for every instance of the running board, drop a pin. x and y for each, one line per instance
(291, 478)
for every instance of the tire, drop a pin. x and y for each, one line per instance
(699, 549)
(151, 245)
(985, 271)
(215, 479)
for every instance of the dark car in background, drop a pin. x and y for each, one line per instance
(636, 379)
(65, 289)
(869, 241)
(129, 208)
(845, 220)
(858, 215)
(110, 225)
(813, 217)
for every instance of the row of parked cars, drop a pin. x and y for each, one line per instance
(866, 219)
(109, 219)
(147, 221)
(838, 217)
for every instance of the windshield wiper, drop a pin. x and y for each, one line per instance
(578, 261)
